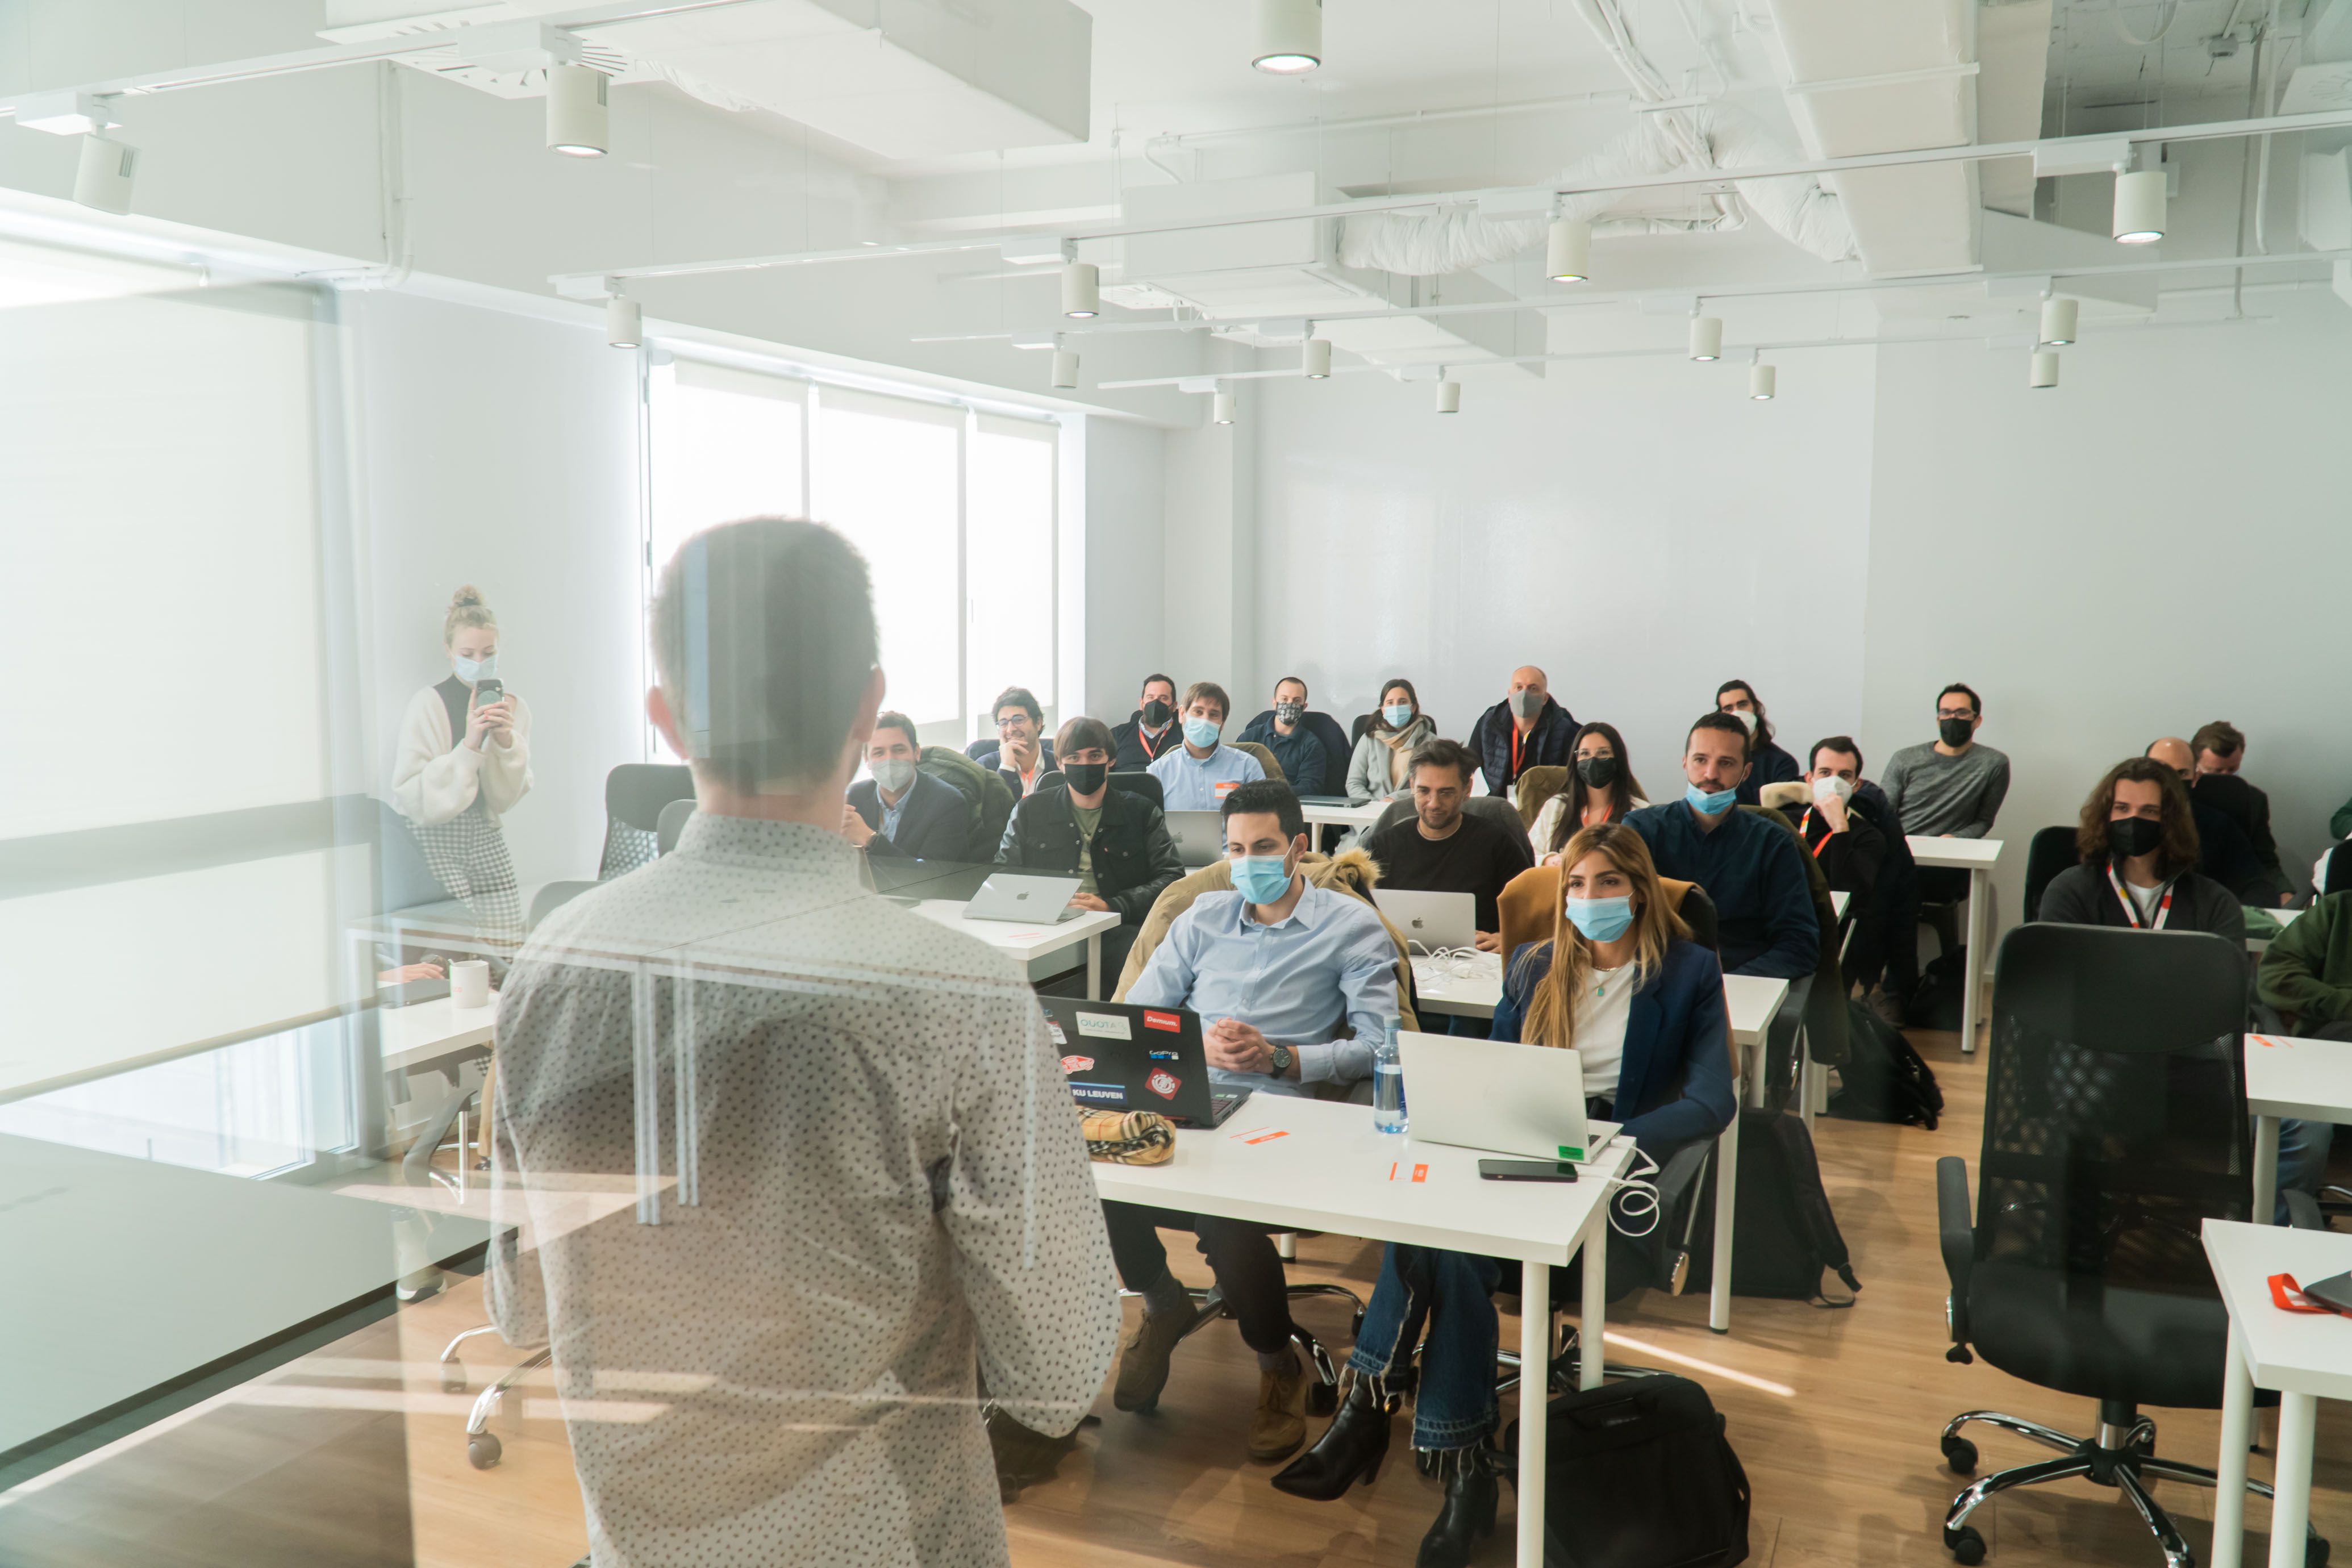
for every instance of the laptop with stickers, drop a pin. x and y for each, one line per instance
(1119, 1057)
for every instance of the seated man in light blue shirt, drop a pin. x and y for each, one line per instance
(1293, 982)
(1199, 775)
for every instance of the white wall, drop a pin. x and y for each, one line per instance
(1124, 492)
(501, 452)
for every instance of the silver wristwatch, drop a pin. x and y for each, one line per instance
(1283, 1056)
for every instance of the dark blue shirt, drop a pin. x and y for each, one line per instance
(1753, 872)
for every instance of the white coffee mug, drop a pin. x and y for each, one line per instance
(469, 984)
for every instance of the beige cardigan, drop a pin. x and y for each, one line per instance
(433, 780)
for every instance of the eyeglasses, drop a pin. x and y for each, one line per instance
(1010, 721)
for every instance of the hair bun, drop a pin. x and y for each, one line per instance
(465, 598)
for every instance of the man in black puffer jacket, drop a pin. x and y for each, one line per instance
(1116, 843)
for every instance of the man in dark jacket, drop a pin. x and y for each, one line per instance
(1115, 842)
(1311, 747)
(2139, 871)
(900, 810)
(2224, 852)
(2220, 749)
(1526, 730)
(1152, 730)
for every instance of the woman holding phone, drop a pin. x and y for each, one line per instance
(464, 760)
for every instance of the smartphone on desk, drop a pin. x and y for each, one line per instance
(1527, 1170)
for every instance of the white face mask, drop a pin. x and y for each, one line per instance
(474, 671)
(1745, 718)
(1833, 785)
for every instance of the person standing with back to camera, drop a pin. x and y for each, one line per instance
(463, 762)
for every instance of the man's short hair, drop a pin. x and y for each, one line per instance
(1019, 696)
(1151, 680)
(1080, 734)
(764, 641)
(1718, 719)
(1842, 744)
(1441, 754)
(2220, 737)
(897, 721)
(1211, 690)
(1288, 680)
(1262, 795)
(1976, 703)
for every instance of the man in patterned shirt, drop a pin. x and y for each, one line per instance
(858, 1169)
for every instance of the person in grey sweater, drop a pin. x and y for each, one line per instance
(1950, 788)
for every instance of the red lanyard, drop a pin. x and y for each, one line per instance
(1802, 823)
(2288, 1297)
(2131, 910)
(1515, 751)
(1145, 740)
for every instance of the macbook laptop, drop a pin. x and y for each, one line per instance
(1501, 1097)
(1432, 920)
(1033, 900)
(1123, 1057)
(1199, 835)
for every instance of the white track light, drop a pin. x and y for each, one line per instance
(1568, 250)
(576, 110)
(2044, 374)
(2140, 207)
(103, 179)
(1221, 409)
(2058, 316)
(1449, 397)
(1290, 36)
(1065, 368)
(1763, 381)
(624, 322)
(1081, 290)
(1315, 359)
(1707, 337)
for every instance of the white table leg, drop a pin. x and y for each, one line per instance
(1972, 972)
(1592, 1326)
(2291, 1509)
(1727, 1201)
(2266, 1139)
(1535, 1381)
(1751, 1070)
(2236, 1419)
(1093, 967)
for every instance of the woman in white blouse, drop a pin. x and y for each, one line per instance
(1601, 789)
(463, 762)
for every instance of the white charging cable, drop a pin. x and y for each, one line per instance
(1636, 1197)
(1453, 963)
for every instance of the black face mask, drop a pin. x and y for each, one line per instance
(2133, 836)
(1155, 713)
(1954, 731)
(1598, 772)
(1085, 778)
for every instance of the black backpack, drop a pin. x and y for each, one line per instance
(1934, 1003)
(1886, 1080)
(1786, 1236)
(1638, 1474)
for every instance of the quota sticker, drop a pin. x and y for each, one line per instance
(1104, 1026)
(1077, 1064)
(1163, 1083)
(1157, 1020)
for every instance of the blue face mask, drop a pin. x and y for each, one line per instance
(1398, 715)
(474, 671)
(1600, 920)
(1260, 879)
(1708, 804)
(1203, 732)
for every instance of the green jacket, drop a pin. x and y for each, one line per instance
(2307, 971)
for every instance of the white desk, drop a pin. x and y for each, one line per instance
(1024, 942)
(424, 1033)
(2306, 1358)
(2286, 1074)
(1976, 857)
(1343, 816)
(1331, 1171)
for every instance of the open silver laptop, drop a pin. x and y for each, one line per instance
(1199, 835)
(1499, 1096)
(1012, 896)
(1432, 920)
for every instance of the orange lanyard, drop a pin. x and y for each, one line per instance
(1145, 740)
(1800, 833)
(1515, 751)
(2131, 910)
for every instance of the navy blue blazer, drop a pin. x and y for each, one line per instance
(1767, 764)
(936, 825)
(1674, 1086)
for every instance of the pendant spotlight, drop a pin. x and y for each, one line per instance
(576, 110)
(2140, 207)
(1568, 250)
(1081, 290)
(1315, 359)
(1065, 368)
(1222, 407)
(103, 179)
(624, 322)
(2043, 374)
(1449, 397)
(2058, 317)
(1763, 381)
(1290, 36)
(1707, 337)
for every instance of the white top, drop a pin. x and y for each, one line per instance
(2308, 1079)
(435, 780)
(2144, 899)
(1960, 854)
(1547, 821)
(2296, 1352)
(1601, 1015)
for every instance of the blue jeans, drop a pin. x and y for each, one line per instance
(2301, 1159)
(1451, 1292)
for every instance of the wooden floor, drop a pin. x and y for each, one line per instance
(356, 1456)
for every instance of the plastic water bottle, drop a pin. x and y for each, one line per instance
(1388, 1080)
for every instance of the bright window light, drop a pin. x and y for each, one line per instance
(726, 445)
(1009, 578)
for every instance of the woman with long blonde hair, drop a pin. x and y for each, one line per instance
(1621, 983)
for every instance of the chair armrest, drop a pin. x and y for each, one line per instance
(1958, 1238)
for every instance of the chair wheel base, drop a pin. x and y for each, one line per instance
(1962, 1455)
(1322, 1399)
(482, 1450)
(1966, 1545)
(453, 1378)
(2315, 1552)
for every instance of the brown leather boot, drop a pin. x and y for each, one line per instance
(1278, 1426)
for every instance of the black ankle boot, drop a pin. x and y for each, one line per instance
(1349, 1451)
(1468, 1514)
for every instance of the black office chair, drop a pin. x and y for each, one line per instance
(2115, 1124)
(1698, 913)
(1497, 809)
(2050, 851)
(634, 794)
